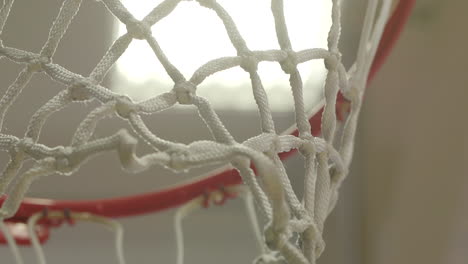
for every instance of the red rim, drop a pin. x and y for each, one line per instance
(178, 195)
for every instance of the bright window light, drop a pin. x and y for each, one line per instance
(193, 35)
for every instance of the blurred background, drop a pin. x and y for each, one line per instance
(404, 202)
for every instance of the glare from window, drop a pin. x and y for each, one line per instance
(193, 35)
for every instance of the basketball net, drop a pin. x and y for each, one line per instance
(294, 225)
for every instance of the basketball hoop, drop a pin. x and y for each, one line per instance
(252, 169)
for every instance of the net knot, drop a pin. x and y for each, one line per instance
(310, 231)
(353, 93)
(138, 29)
(24, 143)
(300, 225)
(308, 145)
(269, 258)
(275, 238)
(124, 106)
(184, 91)
(249, 62)
(37, 63)
(332, 61)
(289, 65)
(62, 162)
(218, 196)
(77, 90)
(275, 144)
(240, 161)
(178, 157)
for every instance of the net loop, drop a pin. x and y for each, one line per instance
(225, 195)
(185, 91)
(218, 196)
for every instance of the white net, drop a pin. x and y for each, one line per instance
(294, 224)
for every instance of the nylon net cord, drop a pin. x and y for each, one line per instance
(287, 215)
